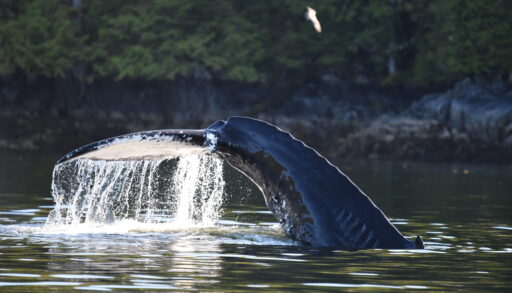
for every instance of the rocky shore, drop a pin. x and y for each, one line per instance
(469, 122)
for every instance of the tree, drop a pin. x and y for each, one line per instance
(465, 38)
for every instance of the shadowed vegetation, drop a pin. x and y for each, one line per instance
(401, 42)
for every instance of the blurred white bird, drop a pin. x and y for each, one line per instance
(311, 16)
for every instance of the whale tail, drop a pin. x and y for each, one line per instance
(313, 200)
(419, 242)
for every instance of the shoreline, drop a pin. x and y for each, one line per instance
(468, 123)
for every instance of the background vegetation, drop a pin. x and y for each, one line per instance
(404, 42)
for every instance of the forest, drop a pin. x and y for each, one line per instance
(414, 43)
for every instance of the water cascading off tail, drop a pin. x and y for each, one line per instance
(184, 192)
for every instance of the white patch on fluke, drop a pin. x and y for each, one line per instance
(211, 142)
(137, 148)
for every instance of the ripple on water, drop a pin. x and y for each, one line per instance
(42, 283)
(364, 274)
(503, 228)
(258, 286)
(80, 276)
(132, 287)
(188, 259)
(23, 212)
(345, 285)
(20, 275)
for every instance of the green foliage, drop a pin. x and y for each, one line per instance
(394, 41)
(41, 40)
(165, 39)
(465, 37)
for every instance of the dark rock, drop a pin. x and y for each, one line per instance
(471, 122)
(483, 111)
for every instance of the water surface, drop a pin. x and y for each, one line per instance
(463, 212)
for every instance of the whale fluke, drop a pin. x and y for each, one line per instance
(313, 200)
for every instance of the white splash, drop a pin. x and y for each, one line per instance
(186, 192)
(199, 184)
(211, 142)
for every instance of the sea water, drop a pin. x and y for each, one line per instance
(464, 218)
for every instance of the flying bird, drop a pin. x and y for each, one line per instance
(311, 16)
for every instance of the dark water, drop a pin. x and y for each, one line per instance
(463, 212)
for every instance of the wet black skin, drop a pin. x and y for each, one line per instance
(313, 200)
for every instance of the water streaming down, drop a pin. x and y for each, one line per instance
(183, 192)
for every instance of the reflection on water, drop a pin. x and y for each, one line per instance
(140, 260)
(465, 220)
